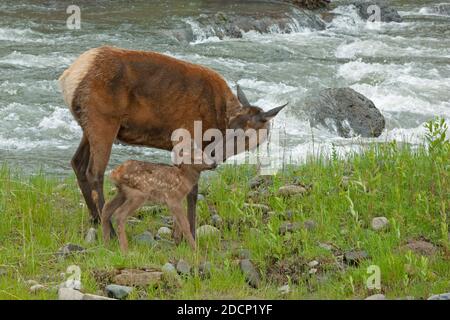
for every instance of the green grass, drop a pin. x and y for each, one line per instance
(409, 186)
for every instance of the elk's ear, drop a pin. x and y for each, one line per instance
(269, 115)
(242, 98)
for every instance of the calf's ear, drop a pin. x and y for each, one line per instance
(242, 98)
(269, 115)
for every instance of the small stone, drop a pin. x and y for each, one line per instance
(284, 289)
(167, 220)
(250, 272)
(205, 269)
(88, 296)
(243, 254)
(326, 246)
(164, 232)
(257, 207)
(312, 271)
(259, 181)
(69, 294)
(379, 223)
(313, 264)
(37, 287)
(183, 267)
(287, 227)
(169, 268)
(145, 238)
(291, 190)
(200, 197)
(421, 247)
(118, 292)
(289, 214)
(378, 296)
(353, 258)
(91, 235)
(69, 249)
(443, 296)
(207, 231)
(216, 220)
(309, 225)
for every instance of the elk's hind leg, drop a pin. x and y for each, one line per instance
(108, 211)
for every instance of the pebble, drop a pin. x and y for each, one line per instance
(258, 181)
(309, 225)
(37, 287)
(205, 269)
(355, 257)
(91, 235)
(69, 249)
(169, 268)
(216, 220)
(183, 267)
(325, 246)
(118, 292)
(145, 238)
(378, 296)
(313, 264)
(250, 272)
(200, 197)
(379, 223)
(164, 232)
(284, 289)
(243, 254)
(312, 271)
(291, 190)
(287, 227)
(207, 231)
(421, 247)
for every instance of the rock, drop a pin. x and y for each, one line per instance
(309, 225)
(221, 25)
(345, 112)
(312, 271)
(216, 220)
(291, 190)
(443, 296)
(313, 264)
(376, 297)
(287, 227)
(167, 220)
(91, 236)
(257, 207)
(69, 294)
(243, 254)
(138, 278)
(207, 231)
(200, 197)
(168, 268)
(88, 296)
(353, 258)
(259, 181)
(387, 14)
(250, 272)
(164, 232)
(69, 249)
(118, 292)
(421, 247)
(326, 246)
(37, 287)
(284, 289)
(183, 267)
(205, 269)
(145, 238)
(379, 223)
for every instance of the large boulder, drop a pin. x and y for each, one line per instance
(387, 14)
(345, 112)
(223, 25)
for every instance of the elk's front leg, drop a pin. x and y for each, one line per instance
(191, 208)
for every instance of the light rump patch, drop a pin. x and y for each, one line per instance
(73, 75)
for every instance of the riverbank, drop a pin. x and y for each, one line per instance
(317, 240)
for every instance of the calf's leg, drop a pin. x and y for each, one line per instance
(191, 208)
(181, 220)
(108, 211)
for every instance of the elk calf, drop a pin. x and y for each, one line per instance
(141, 182)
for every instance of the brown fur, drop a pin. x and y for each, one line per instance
(140, 98)
(140, 182)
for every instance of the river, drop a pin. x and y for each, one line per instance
(403, 67)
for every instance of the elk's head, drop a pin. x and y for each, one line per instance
(252, 118)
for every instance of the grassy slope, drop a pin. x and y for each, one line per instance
(38, 215)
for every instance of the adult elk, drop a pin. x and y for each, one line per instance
(140, 98)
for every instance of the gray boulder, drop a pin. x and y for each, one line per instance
(345, 112)
(387, 13)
